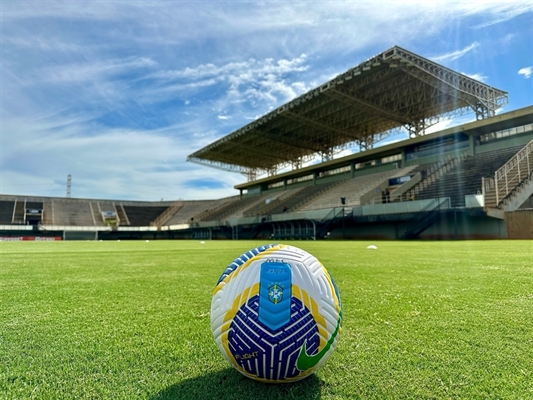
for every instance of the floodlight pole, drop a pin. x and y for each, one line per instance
(69, 185)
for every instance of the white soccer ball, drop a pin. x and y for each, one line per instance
(276, 314)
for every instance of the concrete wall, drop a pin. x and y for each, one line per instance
(453, 225)
(528, 203)
(519, 224)
(460, 226)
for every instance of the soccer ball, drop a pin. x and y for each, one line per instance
(276, 314)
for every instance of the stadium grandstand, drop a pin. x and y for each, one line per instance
(320, 167)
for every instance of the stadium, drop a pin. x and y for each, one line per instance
(109, 299)
(471, 181)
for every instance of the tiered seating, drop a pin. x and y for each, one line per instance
(166, 215)
(190, 209)
(292, 203)
(97, 214)
(6, 212)
(73, 213)
(18, 216)
(257, 208)
(234, 209)
(48, 213)
(34, 205)
(284, 201)
(465, 177)
(353, 189)
(143, 215)
(121, 214)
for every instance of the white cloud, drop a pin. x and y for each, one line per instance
(450, 122)
(477, 76)
(142, 164)
(89, 71)
(526, 72)
(454, 55)
(498, 11)
(119, 93)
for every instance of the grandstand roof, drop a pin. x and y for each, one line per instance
(395, 89)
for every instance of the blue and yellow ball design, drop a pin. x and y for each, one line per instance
(276, 314)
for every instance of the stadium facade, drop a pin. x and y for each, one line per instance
(471, 181)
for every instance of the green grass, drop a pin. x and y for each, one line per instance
(128, 320)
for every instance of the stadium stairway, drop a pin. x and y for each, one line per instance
(465, 176)
(426, 217)
(97, 213)
(232, 208)
(166, 215)
(189, 210)
(216, 210)
(48, 213)
(122, 217)
(430, 173)
(511, 185)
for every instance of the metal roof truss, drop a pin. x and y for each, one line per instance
(392, 91)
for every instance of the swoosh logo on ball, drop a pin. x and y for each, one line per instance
(305, 361)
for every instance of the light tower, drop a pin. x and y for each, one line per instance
(69, 184)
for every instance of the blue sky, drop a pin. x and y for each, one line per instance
(118, 93)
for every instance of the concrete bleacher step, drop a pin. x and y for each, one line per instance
(275, 206)
(97, 213)
(464, 176)
(234, 208)
(73, 213)
(7, 208)
(18, 214)
(320, 198)
(121, 215)
(352, 190)
(142, 215)
(48, 213)
(218, 209)
(190, 209)
(255, 210)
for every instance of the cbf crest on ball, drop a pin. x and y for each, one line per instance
(276, 314)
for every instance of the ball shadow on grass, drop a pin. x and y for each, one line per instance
(230, 384)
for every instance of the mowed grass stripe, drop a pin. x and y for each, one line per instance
(124, 320)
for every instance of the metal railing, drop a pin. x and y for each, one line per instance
(513, 172)
(427, 216)
(167, 214)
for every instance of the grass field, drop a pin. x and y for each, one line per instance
(130, 320)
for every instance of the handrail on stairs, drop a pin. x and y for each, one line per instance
(513, 172)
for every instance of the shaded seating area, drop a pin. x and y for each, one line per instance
(6, 211)
(73, 212)
(142, 216)
(465, 177)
